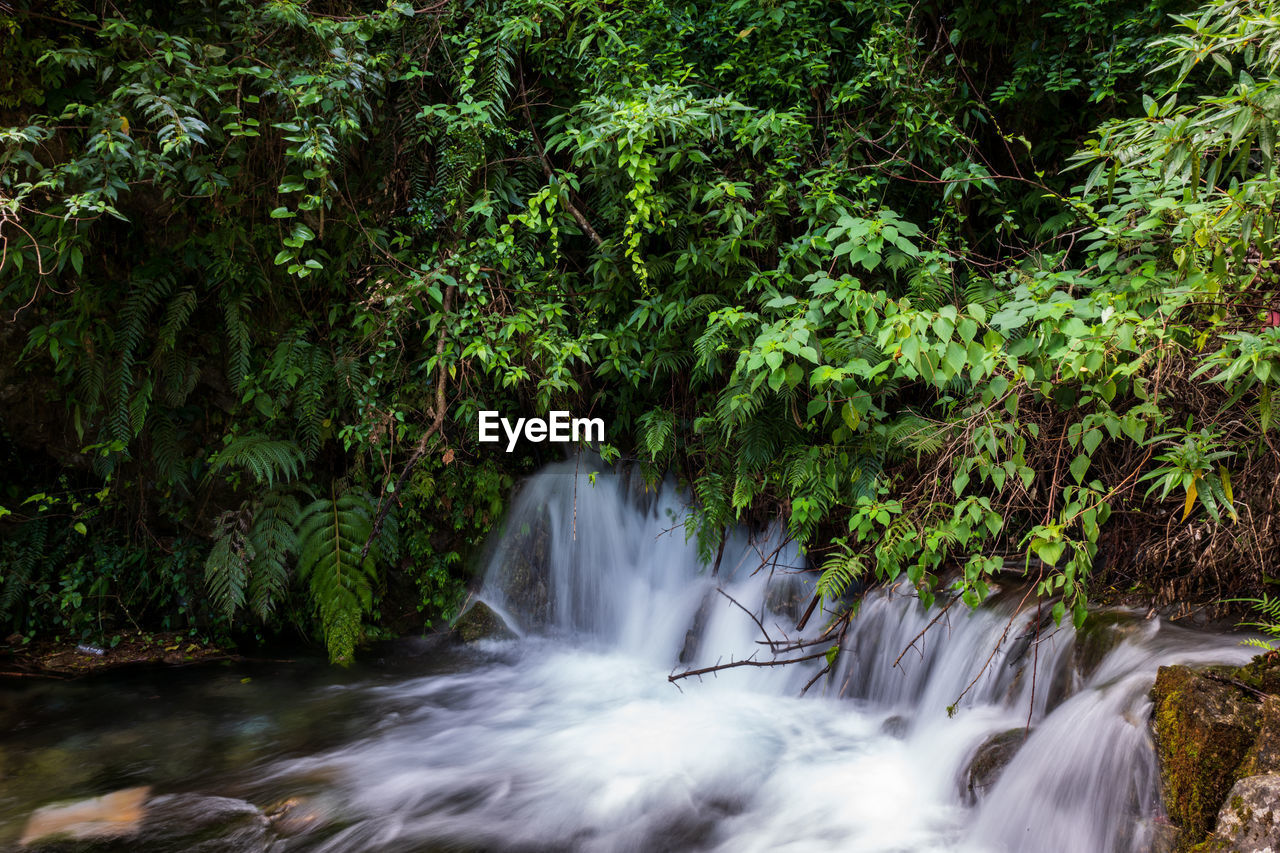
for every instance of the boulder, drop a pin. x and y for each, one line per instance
(988, 762)
(480, 622)
(1264, 756)
(133, 821)
(111, 816)
(1249, 821)
(1203, 730)
(896, 726)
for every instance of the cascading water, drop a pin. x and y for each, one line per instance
(571, 737)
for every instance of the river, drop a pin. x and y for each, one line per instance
(568, 736)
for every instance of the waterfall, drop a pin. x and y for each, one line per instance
(571, 737)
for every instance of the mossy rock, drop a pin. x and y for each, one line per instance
(1262, 673)
(1203, 729)
(1264, 755)
(480, 622)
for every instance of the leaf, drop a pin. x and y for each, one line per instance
(1048, 550)
(1080, 467)
(1191, 499)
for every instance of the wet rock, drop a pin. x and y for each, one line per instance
(128, 822)
(693, 637)
(295, 816)
(1249, 821)
(524, 581)
(787, 597)
(1163, 837)
(988, 762)
(1203, 730)
(480, 622)
(895, 727)
(200, 824)
(1262, 673)
(1101, 632)
(111, 816)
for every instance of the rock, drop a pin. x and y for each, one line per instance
(179, 823)
(524, 582)
(1249, 821)
(1203, 730)
(1101, 632)
(115, 815)
(788, 597)
(896, 727)
(480, 622)
(1163, 837)
(988, 762)
(295, 816)
(693, 637)
(130, 822)
(1264, 756)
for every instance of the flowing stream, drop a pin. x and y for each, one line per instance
(568, 735)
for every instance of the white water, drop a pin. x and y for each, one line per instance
(571, 737)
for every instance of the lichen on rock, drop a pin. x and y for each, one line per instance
(1249, 821)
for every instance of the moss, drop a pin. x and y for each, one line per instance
(1203, 731)
(479, 622)
(1262, 673)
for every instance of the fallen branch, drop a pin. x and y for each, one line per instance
(737, 663)
(749, 613)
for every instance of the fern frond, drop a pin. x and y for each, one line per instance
(838, 574)
(164, 449)
(226, 569)
(658, 433)
(914, 434)
(274, 539)
(233, 311)
(266, 459)
(21, 566)
(331, 535)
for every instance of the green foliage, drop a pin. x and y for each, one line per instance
(331, 534)
(824, 261)
(264, 458)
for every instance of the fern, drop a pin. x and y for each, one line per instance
(226, 569)
(274, 538)
(144, 296)
(1268, 610)
(914, 434)
(331, 536)
(839, 573)
(266, 459)
(23, 555)
(658, 433)
(164, 449)
(233, 311)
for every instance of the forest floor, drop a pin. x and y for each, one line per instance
(69, 658)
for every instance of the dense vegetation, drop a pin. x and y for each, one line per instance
(938, 285)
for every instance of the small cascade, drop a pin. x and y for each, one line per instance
(605, 561)
(571, 737)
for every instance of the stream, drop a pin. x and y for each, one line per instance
(567, 735)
